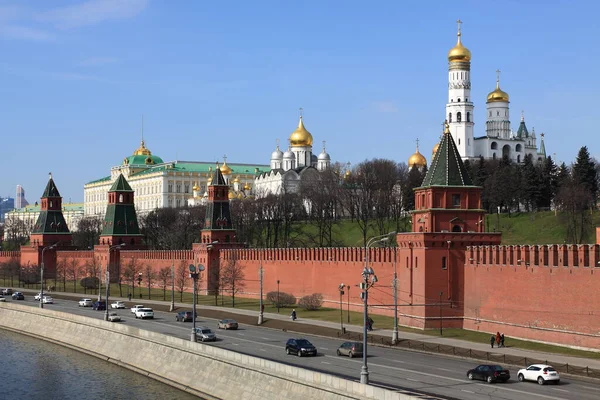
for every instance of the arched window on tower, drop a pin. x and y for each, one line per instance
(120, 198)
(458, 100)
(468, 116)
(458, 117)
(450, 117)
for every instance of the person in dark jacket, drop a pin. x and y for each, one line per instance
(293, 316)
(492, 340)
(502, 340)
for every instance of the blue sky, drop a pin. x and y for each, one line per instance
(228, 77)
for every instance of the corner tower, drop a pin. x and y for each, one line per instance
(459, 109)
(120, 222)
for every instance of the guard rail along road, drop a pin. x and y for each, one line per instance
(203, 370)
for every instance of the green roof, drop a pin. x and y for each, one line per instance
(143, 160)
(36, 208)
(447, 168)
(203, 167)
(522, 132)
(120, 220)
(106, 178)
(120, 185)
(50, 221)
(51, 189)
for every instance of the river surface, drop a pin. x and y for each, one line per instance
(35, 369)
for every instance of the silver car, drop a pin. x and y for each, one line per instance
(204, 334)
(114, 317)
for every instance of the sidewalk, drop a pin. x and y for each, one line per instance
(325, 328)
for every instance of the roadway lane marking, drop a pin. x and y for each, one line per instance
(447, 370)
(468, 391)
(324, 348)
(413, 380)
(562, 390)
(263, 349)
(241, 334)
(325, 362)
(398, 361)
(589, 387)
(265, 338)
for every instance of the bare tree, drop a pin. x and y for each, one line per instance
(149, 275)
(73, 271)
(164, 277)
(92, 269)
(173, 228)
(131, 273)
(61, 272)
(232, 277)
(181, 277)
(88, 232)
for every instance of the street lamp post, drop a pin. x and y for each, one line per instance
(441, 332)
(395, 285)
(42, 274)
(341, 289)
(172, 286)
(260, 276)
(194, 274)
(118, 246)
(348, 307)
(369, 279)
(278, 281)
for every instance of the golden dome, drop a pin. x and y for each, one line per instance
(498, 94)
(417, 159)
(247, 186)
(225, 170)
(231, 195)
(301, 137)
(196, 187)
(237, 179)
(459, 53)
(142, 150)
(435, 149)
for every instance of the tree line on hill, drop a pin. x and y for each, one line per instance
(376, 197)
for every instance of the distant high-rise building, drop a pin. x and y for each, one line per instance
(6, 204)
(20, 201)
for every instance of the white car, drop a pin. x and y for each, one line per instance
(37, 297)
(541, 373)
(2, 298)
(86, 303)
(136, 307)
(144, 313)
(117, 304)
(114, 317)
(47, 300)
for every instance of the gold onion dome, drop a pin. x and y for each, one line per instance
(301, 137)
(417, 159)
(196, 187)
(435, 149)
(498, 94)
(231, 195)
(237, 179)
(459, 53)
(225, 170)
(246, 186)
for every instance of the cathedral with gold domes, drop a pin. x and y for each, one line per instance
(289, 168)
(499, 140)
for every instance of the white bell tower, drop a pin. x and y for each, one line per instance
(459, 109)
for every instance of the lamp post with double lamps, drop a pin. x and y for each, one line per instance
(139, 279)
(341, 288)
(368, 280)
(278, 281)
(117, 246)
(194, 274)
(42, 274)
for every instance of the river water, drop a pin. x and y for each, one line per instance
(35, 369)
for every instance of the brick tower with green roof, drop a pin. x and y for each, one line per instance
(50, 232)
(50, 227)
(448, 217)
(120, 222)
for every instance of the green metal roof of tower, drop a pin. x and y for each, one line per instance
(51, 190)
(447, 168)
(120, 185)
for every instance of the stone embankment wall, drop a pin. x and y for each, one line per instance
(209, 372)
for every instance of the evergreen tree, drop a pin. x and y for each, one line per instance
(584, 174)
(530, 188)
(548, 183)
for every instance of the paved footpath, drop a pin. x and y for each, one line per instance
(306, 324)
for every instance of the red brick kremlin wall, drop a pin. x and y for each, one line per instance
(545, 293)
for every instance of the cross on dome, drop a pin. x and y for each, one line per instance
(458, 21)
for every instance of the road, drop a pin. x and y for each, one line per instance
(434, 376)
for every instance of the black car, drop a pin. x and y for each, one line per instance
(99, 305)
(18, 296)
(184, 316)
(300, 347)
(489, 373)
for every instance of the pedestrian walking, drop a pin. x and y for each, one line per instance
(370, 324)
(498, 339)
(492, 340)
(129, 296)
(293, 315)
(502, 340)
